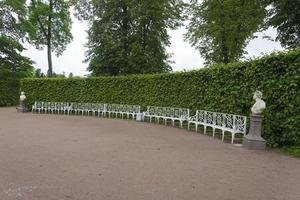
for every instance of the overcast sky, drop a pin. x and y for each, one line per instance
(184, 56)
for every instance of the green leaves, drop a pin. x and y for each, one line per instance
(220, 30)
(130, 36)
(222, 88)
(50, 25)
(11, 60)
(12, 26)
(50, 20)
(284, 15)
(9, 91)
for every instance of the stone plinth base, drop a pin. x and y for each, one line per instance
(21, 110)
(139, 117)
(251, 143)
(254, 140)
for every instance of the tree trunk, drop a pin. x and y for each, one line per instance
(125, 27)
(225, 51)
(50, 71)
(49, 36)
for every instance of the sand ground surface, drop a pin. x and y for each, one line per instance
(57, 157)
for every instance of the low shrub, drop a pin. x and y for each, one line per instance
(9, 92)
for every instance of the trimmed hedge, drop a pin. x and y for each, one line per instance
(9, 92)
(223, 88)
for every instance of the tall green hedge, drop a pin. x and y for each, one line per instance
(9, 92)
(223, 88)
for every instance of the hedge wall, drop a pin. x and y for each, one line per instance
(9, 92)
(218, 88)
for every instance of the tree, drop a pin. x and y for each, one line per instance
(221, 29)
(51, 26)
(38, 73)
(12, 23)
(284, 15)
(129, 36)
(12, 63)
(55, 75)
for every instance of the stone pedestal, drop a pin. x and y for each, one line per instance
(139, 117)
(254, 140)
(21, 108)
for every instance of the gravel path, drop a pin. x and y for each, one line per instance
(56, 157)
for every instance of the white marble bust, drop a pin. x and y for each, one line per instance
(259, 104)
(22, 97)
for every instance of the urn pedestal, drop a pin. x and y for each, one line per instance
(21, 108)
(139, 117)
(254, 140)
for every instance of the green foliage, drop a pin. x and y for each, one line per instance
(220, 30)
(129, 36)
(293, 151)
(11, 60)
(223, 88)
(12, 63)
(50, 26)
(12, 13)
(9, 92)
(284, 15)
(38, 73)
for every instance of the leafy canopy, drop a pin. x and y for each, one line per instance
(50, 20)
(12, 29)
(284, 15)
(221, 29)
(129, 36)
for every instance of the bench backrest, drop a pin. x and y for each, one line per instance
(168, 112)
(122, 108)
(236, 123)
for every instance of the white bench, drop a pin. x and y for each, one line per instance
(37, 106)
(54, 107)
(87, 108)
(222, 121)
(121, 109)
(167, 113)
(225, 122)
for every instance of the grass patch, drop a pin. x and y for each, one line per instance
(293, 151)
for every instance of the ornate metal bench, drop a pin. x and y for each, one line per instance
(222, 121)
(80, 108)
(225, 122)
(87, 108)
(54, 107)
(121, 110)
(167, 113)
(37, 106)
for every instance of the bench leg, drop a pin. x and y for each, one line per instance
(232, 137)
(223, 135)
(204, 130)
(196, 127)
(214, 130)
